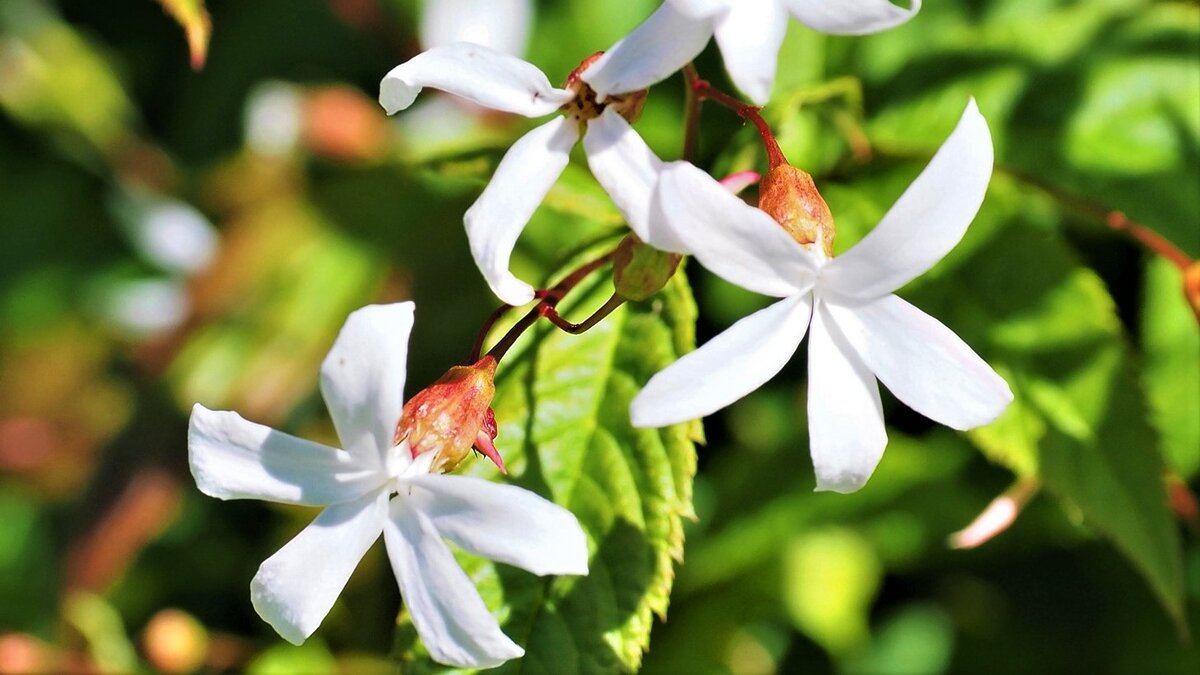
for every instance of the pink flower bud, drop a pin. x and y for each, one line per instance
(789, 195)
(452, 416)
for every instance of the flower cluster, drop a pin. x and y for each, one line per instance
(390, 477)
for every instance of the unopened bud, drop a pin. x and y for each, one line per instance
(639, 270)
(585, 107)
(789, 195)
(453, 415)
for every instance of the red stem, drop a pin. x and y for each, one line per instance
(705, 91)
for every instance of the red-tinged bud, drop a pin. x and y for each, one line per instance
(789, 196)
(585, 107)
(639, 270)
(452, 415)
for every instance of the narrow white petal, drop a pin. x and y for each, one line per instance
(749, 37)
(295, 588)
(851, 17)
(703, 9)
(628, 169)
(502, 522)
(476, 73)
(739, 243)
(362, 378)
(502, 25)
(924, 363)
(231, 458)
(657, 48)
(845, 417)
(926, 222)
(726, 368)
(524, 176)
(455, 625)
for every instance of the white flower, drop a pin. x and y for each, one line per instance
(502, 25)
(859, 330)
(374, 486)
(618, 157)
(749, 33)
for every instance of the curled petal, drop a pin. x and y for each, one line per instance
(232, 458)
(726, 368)
(661, 45)
(628, 169)
(449, 615)
(503, 523)
(362, 378)
(851, 17)
(749, 37)
(481, 75)
(295, 588)
(924, 363)
(502, 25)
(845, 417)
(737, 242)
(524, 176)
(926, 222)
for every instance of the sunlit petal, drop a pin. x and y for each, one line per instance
(851, 17)
(231, 458)
(295, 588)
(924, 363)
(362, 378)
(750, 36)
(703, 9)
(496, 219)
(646, 56)
(628, 169)
(845, 417)
(502, 522)
(476, 73)
(726, 368)
(502, 25)
(737, 242)
(450, 617)
(926, 222)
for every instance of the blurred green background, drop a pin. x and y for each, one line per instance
(169, 236)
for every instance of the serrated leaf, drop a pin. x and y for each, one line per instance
(1080, 418)
(197, 26)
(1171, 341)
(562, 403)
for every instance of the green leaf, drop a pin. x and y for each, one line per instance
(1080, 419)
(1171, 342)
(562, 403)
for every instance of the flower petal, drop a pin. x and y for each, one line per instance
(845, 417)
(851, 17)
(502, 25)
(449, 615)
(231, 458)
(924, 363)
(750, 36)
(476, 73)
(362, 378)
(726, 368)
(926, 222)
(295, 588)
(739, 243)
(657, 48)
(703, 9)
(502, 522)
(494, 222)
(628, 169)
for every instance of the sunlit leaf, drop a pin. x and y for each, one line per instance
(1171, 341)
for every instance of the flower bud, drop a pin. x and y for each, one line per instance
(789, 195)
(639, 270)
(452, 415)
(585, 107)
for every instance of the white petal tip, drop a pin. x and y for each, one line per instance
(276, 613)
(396, 95)
(842, 484)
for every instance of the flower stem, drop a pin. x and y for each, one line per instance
(705, 91)
(549, 300)
(693, 102)
(551, 313)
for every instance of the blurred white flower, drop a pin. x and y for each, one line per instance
(274, 118)
(859, 330)
(617, 155)
(748, 32)
(502, 25)
(376, 486)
